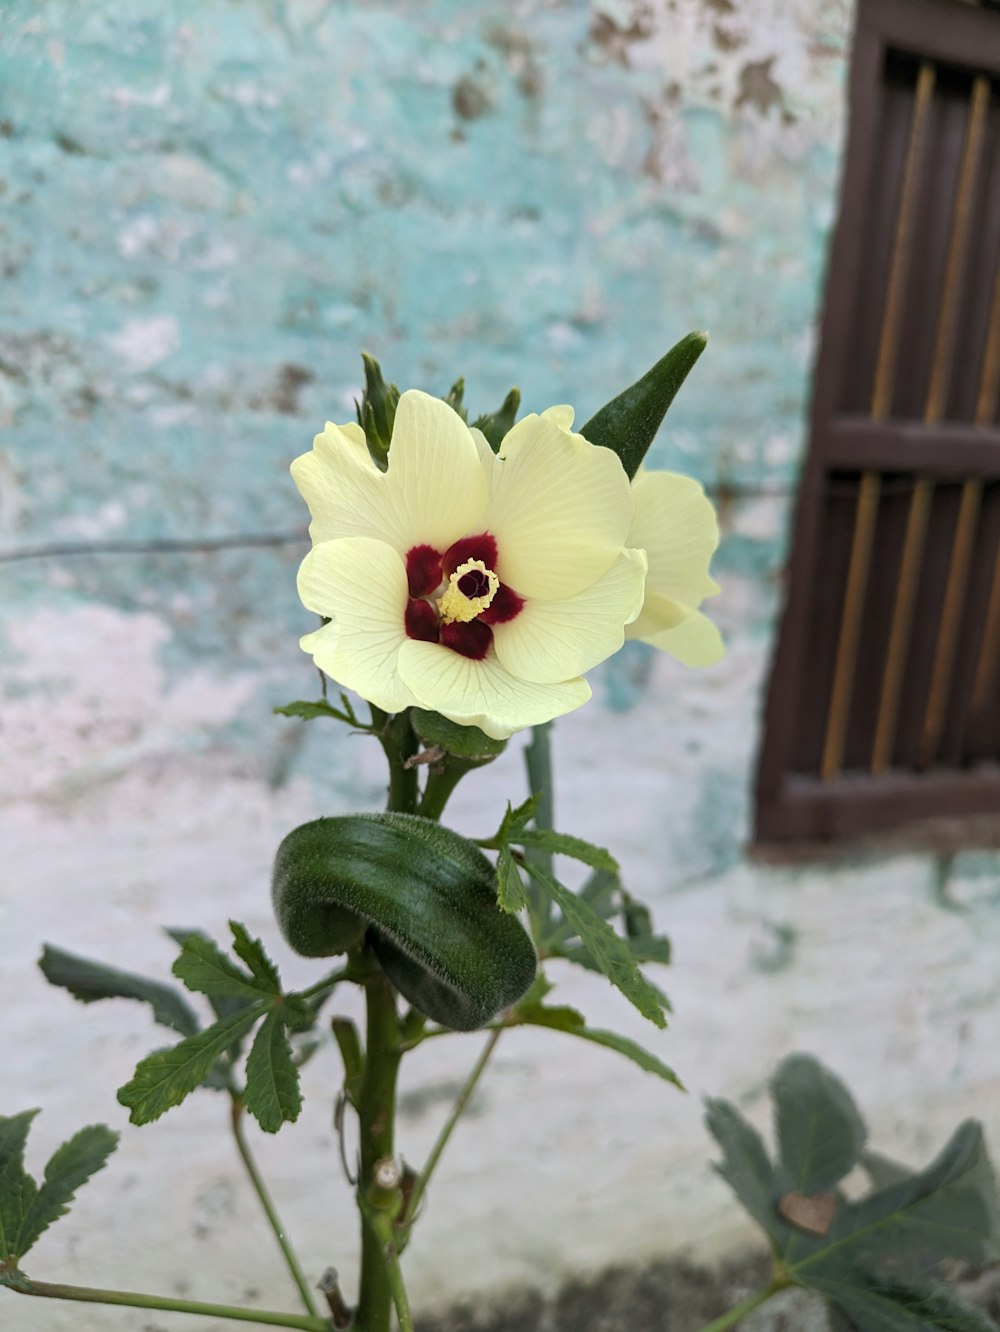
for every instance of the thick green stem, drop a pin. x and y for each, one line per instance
(270, 1211)
(457, 1111)
(752, 1302)
(376, 1113)
(397, 738)
(89, 1295)
(383, 1226)
(538, 761)
(439, 786)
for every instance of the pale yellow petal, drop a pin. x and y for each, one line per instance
(483, 693)
(554, 640)
(435, 489)
(676, 526)
(658, 613)
(695, 641)
(361, 584)
(340, 484)
(563, 415)
(560, 509)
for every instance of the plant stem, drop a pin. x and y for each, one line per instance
(397, 738)
(376, 1113)
(456, 1113)
(440, 785)
(266, 1201)
(752, 1302)
(395, 1273)
(89, 1295)
(538, 761)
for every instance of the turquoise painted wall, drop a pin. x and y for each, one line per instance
(209, 210)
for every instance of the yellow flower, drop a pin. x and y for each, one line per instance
(476, 585)
(675, 524)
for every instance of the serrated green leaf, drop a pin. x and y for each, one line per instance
(309, 711)
(564, 844)
(516, 818)
(580, 956)
(510, 887)
(272, 1094)
(203, 967)
(608, 950)
(886, 1304)
(948, 1210)
(71, 1166)
(92, 981)
(17, 1188)
(296, 1013)
(746, 1166)
(164, 1079)
(560, 1018)
(819, 1131)
(222, 1005)
(251, 951)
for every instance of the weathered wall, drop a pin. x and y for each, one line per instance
(206, 212)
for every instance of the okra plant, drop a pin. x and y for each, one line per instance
(467, 576)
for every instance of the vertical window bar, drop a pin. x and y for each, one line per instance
(937, 400)
(989, 650)
(868, 494)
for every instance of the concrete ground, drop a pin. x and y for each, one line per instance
(671, 1297)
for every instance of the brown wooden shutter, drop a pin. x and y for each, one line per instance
(884, 700)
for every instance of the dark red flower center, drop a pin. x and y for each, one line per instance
(427, 569)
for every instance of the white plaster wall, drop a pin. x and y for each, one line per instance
(571, 1158)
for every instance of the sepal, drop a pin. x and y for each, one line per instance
(627, 425)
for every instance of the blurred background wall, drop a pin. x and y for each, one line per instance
(206, 212)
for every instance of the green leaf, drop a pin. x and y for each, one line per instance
(610, 953)
(819, 1131)
(165, 1078)
(628, 424)
(251, 951)
(746, 1166)
(272, 1094)
(882, 1170)
(947, 1210)
(467, 742)
(886, 1304)
(573, 1023)
(565, 845)
(321, 708)
(510, 887)
(71, 1166)
(17, 1188)
(203, 967)
(516, 819)
(92, 981)
(580, 956)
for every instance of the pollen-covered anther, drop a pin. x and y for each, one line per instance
(470, 590)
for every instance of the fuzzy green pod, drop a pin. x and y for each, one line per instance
(426, 898)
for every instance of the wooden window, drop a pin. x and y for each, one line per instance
(884, 700)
